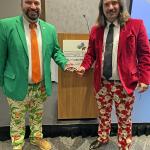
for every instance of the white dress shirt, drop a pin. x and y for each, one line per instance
(116, 34)
(28, 40)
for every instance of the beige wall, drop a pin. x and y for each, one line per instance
(9, 8)
(67, 15)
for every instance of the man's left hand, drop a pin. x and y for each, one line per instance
(70, 66)
(142, 87)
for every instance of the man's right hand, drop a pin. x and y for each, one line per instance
(80, 71)
(142, 87)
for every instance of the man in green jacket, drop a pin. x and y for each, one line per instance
(26, 80)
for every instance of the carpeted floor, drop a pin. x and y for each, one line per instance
(79, 143)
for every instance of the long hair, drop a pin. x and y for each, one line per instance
(122, 18)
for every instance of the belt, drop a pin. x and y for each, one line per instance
(113, 80)
(35, 84)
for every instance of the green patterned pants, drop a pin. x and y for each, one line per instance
(33, 103)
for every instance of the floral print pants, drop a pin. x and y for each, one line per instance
(114, 92)
(33, 103)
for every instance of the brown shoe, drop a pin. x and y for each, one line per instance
(42, 144)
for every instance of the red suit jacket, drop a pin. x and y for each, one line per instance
(133, 55)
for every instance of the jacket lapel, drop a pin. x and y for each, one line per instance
(43, 32)
(101, 32)
(124, 32)
(100, 35)
(21, 32)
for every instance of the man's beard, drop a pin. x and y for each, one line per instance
(32, 15)
(112, 15)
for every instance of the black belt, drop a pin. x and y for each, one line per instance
(113, 80)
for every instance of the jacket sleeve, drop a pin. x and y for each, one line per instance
(90, 55)
(3, 52)
(58, 55)
(143, 55)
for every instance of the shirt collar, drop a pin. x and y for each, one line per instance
(116, 24)
(26, 22)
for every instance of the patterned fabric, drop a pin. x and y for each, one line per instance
(33, 103)
(114, 92)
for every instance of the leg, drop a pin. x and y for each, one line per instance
(104, 127)
(37, 98)
(104, 102)
(17, 124)
(35, 119)
(124, 106)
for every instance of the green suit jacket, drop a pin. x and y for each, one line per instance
(14, 61)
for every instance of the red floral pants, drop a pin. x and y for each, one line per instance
(114, 92)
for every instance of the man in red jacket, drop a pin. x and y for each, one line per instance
(120, 48)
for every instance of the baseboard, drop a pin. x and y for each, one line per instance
(83, 130)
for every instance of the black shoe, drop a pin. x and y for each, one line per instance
(96, 144)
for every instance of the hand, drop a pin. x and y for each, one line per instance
(70, 66)
(142, 87)
(80, 71)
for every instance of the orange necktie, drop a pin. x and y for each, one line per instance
(36, 73)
